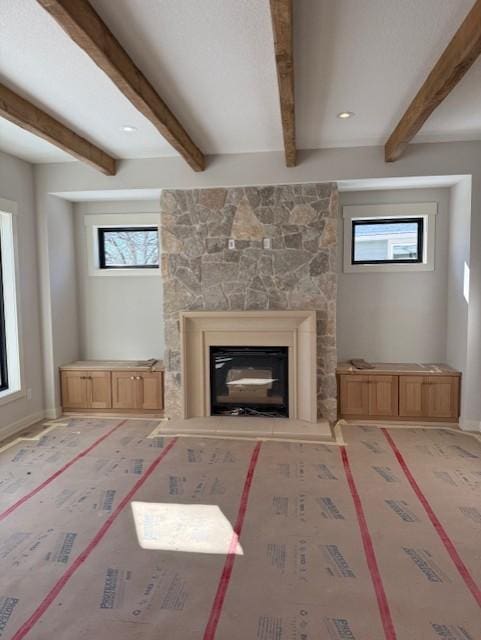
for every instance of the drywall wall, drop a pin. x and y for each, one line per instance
(58, 286)
(17, 185)
(459, 276)
(138, 177)
(63, 281)
(395, 317)
(120, 316)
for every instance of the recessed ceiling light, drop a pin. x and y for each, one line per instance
(344, 115)
(128, 128)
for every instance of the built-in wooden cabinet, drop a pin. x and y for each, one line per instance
(131, 387)
(399, 393)
(362, 395)
(137, 390)
(433, 396)
(86, 390)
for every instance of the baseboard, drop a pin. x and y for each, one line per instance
(18, 426)
(470, 425)
(53, 413)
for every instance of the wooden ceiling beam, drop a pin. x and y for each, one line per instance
(457, 58)
(282, 27)
(26, 115)
(85, 27)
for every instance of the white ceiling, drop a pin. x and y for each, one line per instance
(213, 62)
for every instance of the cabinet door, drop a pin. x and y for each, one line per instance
(100, 390)
(441, 396)
(75, 389)
(125, 390)
(354, 393)
(383, 396)
(151, 390)
(411, 403)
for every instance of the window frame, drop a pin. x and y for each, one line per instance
(392, 211)
(395, 220)
(102, 230)
(3, 332)
(12, 353)
(90, 239)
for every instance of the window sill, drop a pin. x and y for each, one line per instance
(122, 273)
(11, 396)
(388, 268)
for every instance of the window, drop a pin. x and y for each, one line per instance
(10, 370)
(3, 334)
(391, 237)
(128, 247)
(387, 241)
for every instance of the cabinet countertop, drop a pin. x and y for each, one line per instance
(396, 368)
(114, 365)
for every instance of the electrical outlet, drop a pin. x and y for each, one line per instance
(29, 394)
(231, 243)
(267, 243)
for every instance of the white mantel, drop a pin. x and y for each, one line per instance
(293, 329)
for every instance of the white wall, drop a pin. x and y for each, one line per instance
(395, 317)
(17, 184)
(458, 274)
(458, 277)
(58, 286)
(63, 282)
(120, 316)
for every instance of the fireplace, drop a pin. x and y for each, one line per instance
(292, 331)
(249, 381)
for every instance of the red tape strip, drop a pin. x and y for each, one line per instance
(211, 628)
(387, 623)
(440, 530)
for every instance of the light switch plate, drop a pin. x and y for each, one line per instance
(267, 243)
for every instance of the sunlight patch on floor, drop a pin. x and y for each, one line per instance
(194, 528)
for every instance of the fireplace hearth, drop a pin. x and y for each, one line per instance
(249, 381)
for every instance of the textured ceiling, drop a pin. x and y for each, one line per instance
(213, 62)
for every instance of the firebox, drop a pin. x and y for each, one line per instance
(249, 381)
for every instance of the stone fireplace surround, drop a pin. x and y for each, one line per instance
(298, 273)
(293, 329)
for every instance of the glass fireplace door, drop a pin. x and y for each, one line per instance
(249, 381)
